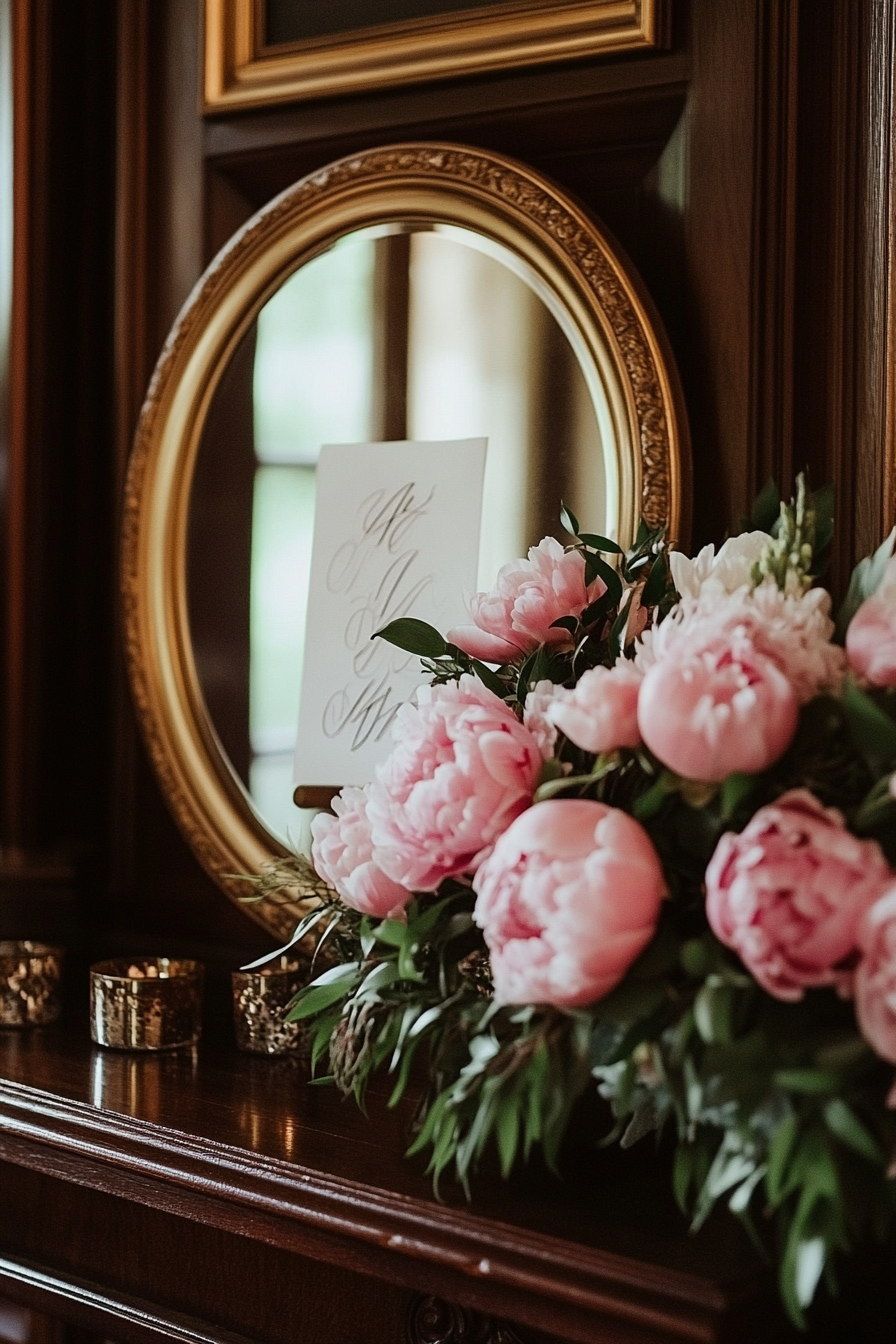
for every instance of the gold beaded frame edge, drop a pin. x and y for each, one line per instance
(451, 184)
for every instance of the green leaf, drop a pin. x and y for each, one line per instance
(595, 567)
(507, 1128)
(781, 1150)
(682, 1170)
(599, 543)
(650, 803)
(567, 623)
(568, 519)
(489, 678)
(714, 1013)
(842, 1121)
(617, 633)
(735, 789)
(766, 508)
(392, 932)
(596, 609)
(809, 1082)
(657, 583)
(866, 579)
(414, 636)
(873, 731)
(699, 956)
(316, 998)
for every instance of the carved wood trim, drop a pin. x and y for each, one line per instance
(432, 1321)
(490, 1266)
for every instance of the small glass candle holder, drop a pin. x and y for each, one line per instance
(30, 984)
(260, 1001)
(146, 1003)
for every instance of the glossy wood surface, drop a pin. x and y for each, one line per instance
(246, 1146)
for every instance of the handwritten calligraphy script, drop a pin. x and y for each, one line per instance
(396, 533)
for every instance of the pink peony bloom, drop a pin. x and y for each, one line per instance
(601, 713)
(793, 630)
(517, 615)
(789, 892)
(567, 900)
(342, 852)
(876, 976)
(537, 719)
(462, 768)
(717, 711)
(871, 637)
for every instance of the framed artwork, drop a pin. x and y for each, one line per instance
(262, 52)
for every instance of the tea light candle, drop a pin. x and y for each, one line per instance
(30, 982)
(260, 1002)
(146, 1003)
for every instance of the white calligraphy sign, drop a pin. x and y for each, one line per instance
(396, 533)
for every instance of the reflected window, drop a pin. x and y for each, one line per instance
(312, 384)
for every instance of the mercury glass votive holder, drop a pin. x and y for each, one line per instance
(30, 984)
(146, 1003)
(260, 1002)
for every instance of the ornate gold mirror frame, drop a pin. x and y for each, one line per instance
(570, 258)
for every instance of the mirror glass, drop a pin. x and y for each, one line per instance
(405, 331)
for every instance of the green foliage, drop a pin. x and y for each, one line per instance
(866, 579)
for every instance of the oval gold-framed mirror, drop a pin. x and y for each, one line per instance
(460, 211)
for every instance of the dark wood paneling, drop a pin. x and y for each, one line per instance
(59, 525)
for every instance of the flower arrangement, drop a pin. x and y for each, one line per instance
(639, 833)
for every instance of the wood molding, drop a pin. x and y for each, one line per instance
(503, 1271)
(241, 72)
(108, 1314)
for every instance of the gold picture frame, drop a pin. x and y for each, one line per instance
(240, 71)
(501, 199)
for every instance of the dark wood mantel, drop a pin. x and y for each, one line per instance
(238, 1200)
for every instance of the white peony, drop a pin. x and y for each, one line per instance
(719, 574)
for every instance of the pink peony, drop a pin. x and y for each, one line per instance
(792, 629)
(536, 717)
(517, 615)
(717, 711)
(567, 900)
(788, 894)
(462, 768)
(876, 976)
(342, 852)
(602, 712)
(871, 637)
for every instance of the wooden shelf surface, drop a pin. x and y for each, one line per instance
(247, 1146)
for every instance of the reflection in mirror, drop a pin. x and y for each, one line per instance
(419, 332)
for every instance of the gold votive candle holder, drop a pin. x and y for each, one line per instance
(260, 1002)
(146, 1003)
(30, 984)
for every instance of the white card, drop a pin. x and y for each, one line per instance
(396, 533)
